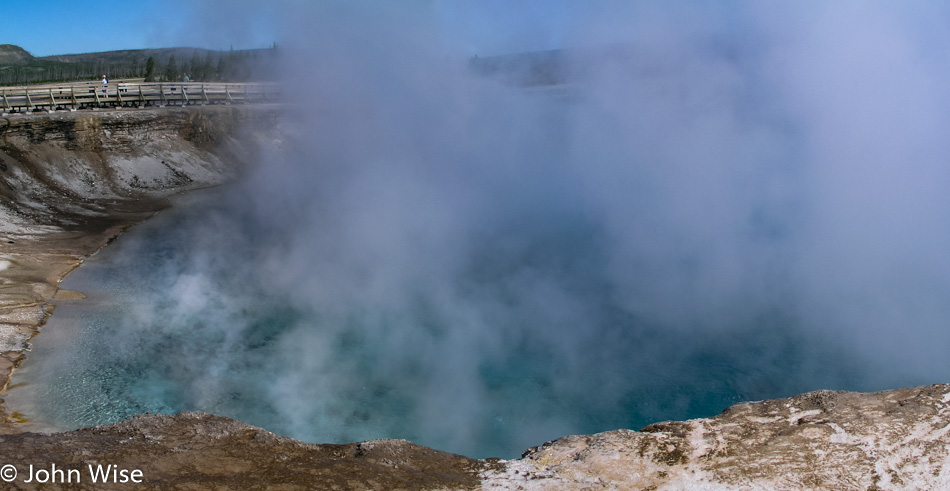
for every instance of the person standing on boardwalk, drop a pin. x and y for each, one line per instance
(105, 85)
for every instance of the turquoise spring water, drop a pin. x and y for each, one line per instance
(177, 322)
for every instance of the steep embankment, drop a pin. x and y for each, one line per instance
(69, 182)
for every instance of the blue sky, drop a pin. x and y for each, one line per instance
(483, 26)
(71, 26)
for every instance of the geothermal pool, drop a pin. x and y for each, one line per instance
(177, 320)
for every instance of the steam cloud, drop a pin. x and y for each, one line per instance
(735, 201)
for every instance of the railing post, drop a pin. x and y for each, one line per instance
(72, 96)
(204, 94)
(161, 95)
(52, 100)
(141, 97)
(6, 105)
(28, 100)
(227, 93)
(184, 95)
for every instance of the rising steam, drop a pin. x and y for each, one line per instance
(729, 202)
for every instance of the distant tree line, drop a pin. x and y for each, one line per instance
(232, 66)
(160, 65)
(61, 72)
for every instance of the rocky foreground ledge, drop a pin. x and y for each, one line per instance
(70, 182)
(821, 440)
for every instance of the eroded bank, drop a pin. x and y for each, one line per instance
(70, 182)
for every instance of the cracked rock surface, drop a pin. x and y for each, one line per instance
(820, 440)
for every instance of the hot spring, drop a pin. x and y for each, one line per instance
(734, 208)
(177, 321)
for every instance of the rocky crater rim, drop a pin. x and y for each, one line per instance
(886, 440)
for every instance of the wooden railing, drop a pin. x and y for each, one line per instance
(89, 95)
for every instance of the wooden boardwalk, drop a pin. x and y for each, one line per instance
(92, 95)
